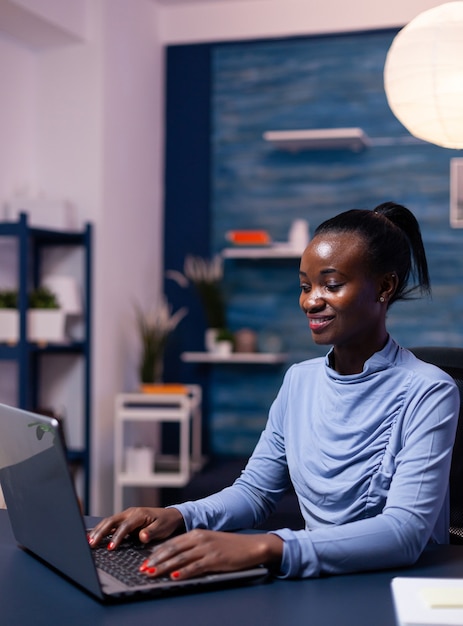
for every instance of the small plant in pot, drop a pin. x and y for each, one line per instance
(206, 277)
(224, 342)
(45, 320)
(154, 328)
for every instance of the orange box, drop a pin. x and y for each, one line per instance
(249, 237)
(163, 388)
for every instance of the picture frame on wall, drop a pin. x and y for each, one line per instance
(456, 193)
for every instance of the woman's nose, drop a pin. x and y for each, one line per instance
(313, 300)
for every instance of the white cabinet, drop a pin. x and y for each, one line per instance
(139, 420)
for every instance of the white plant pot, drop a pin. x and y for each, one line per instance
(223, 348)
(46, 325)
(9, 325)
(210, 338)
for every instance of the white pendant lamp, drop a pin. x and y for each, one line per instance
(423, 76)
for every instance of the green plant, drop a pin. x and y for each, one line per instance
(225, 335)
(154, 328)
(8, 299)
(206, 277)
(43, 298)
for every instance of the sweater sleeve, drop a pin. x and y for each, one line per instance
(255, 494)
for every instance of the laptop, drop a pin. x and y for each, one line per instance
(47, 522)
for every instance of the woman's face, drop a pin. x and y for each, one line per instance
(339, 295)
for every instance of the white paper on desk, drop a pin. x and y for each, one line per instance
(412, 607)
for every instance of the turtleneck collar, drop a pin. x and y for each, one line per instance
(378, 362)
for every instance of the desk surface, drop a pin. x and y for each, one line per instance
(30, 593)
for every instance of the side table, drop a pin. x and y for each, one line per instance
(145, 413)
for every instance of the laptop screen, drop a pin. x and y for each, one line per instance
(40, 495)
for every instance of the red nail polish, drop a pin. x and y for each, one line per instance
(175, 575)
(151, 570)
(144, 566)
(111, 545)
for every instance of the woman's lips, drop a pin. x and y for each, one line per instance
(320, 322)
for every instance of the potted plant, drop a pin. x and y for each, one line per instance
(224, 342)
(154, 328)
(45, 319)
(206, 277)
(9, 319)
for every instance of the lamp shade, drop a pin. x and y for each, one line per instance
(423, 75)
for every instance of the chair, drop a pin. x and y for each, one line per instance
(451, 361)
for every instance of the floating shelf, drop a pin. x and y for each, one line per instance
(235, 357)
(353, 139)
(276, 251)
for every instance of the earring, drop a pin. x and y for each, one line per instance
(381, 298)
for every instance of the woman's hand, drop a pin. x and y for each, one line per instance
(153, 524)
(204, 551)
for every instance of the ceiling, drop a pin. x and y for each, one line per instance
(176, 2)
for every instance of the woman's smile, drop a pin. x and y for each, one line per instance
(318, 323)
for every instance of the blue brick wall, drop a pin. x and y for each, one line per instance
(320, 82)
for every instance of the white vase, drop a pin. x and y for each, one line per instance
(223, 348)
(46, 326)
(9, 325)
(210, 339)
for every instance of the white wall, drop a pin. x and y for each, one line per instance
(253, 19)
(129, 236)
(83, 121)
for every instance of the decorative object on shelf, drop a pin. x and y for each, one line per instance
(45, 318)
(154, 328)
(206, 277)
(139, 460)
(224, 342)
(248, 237)
(456, 193)
(270, 342)
(245, 340)
(164, 388)
(423, 75)
(69, 295)
(298, 237)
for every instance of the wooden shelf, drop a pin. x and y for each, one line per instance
(353, 139)
(235, 357)
(276, 251)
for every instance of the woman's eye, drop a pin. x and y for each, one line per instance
(333, 286)
(305, 288)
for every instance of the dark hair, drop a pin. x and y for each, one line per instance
(394, 244)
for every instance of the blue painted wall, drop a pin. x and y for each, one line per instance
(319, 82)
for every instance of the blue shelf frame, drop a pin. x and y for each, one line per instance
(32, 242)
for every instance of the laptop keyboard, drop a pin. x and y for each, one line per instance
(124, 564)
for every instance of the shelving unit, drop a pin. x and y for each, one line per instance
(155, 409)
(354, 139)
(31, 357)
(275, 251)
(243, 358)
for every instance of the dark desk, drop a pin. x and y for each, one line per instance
(32, 594)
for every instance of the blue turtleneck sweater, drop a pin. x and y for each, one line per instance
(368, 455)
